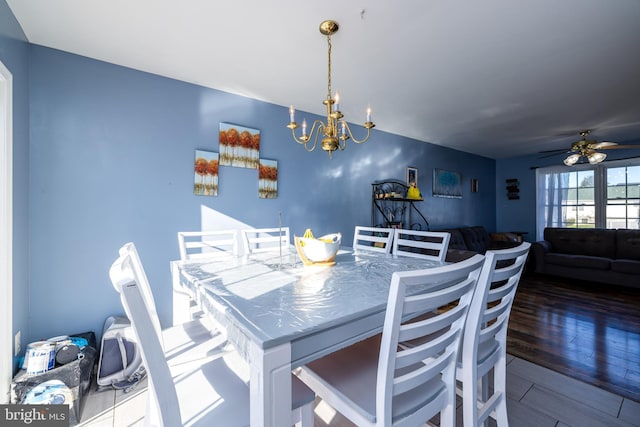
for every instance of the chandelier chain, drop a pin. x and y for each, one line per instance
(329, 68)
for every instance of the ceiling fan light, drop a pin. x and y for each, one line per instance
(572, 159)
(596, 157)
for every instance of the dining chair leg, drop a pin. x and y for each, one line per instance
(448, 413)
(303, 416)
(500, 380)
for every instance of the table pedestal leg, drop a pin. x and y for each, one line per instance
(270, 386)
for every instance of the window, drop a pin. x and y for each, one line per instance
(585, 196)
(580, 203)
(623, 197)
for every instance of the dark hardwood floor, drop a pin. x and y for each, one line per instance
(587, 331)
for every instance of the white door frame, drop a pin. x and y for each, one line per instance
(6, 232)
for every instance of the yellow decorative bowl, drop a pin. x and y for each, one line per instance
(322, 250)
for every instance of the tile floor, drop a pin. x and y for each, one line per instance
(538, 397)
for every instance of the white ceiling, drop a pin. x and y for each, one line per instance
(498, 78)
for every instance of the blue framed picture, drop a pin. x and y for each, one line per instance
(447, 184)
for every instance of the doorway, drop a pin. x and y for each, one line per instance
(6, 232)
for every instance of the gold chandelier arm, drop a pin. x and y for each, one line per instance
(306, 139)
(349, 135)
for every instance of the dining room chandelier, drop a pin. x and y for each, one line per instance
(336, 131)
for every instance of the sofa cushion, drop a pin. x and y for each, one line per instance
(578, 261)
(457, 255)
(456, 241)
(594, 242)
(628, 266)
(628, 244)
(476, 238)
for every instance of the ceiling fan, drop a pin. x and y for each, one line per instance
(587, 148)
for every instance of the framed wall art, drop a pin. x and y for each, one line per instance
(447, 184)
(474, 185)
(205, 176)
(239, 146)
(513, 189)
(268, 179)
(411, 176)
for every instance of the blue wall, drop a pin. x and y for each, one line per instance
(14, 55)
(111, 161)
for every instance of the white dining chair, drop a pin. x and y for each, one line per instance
(194, 339)
(373, 239)
(200, 246)
(207, 244)
(204, 392)
(378, 381)
(265, 239)
(431, 245)
(484, 346)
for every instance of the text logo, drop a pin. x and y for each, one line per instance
(34, 415)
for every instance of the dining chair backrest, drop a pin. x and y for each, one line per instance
(207, 244)
(408, 380)
(485, 334)
(432, 245)
(131, 258)
(373, 239)
(265, 239)
(165, 398)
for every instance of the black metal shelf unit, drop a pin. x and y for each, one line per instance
(391, 208)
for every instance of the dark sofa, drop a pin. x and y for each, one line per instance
(594, 255)
(468, 241)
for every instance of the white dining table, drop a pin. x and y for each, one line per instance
(281, 314)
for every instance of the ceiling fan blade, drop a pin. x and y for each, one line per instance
(574, 132)
(557, 152)
(602, 144)
(628, 158)
(561, 150)
(617, 146)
